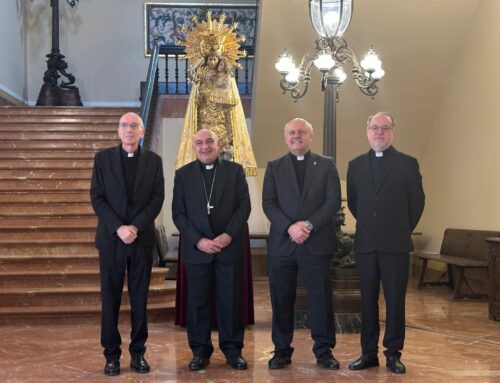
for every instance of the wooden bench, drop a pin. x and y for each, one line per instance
(461, 249)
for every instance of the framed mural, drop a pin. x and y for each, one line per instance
(163, 21)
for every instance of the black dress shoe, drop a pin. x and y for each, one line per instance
(328, 361)
(139, 364)
(198, 363)
(237, 362)
(279, 361)
(395, 365)
(112, 367)
(364, 361)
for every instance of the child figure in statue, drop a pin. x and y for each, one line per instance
(212, 49)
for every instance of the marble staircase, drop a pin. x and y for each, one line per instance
(48, 262)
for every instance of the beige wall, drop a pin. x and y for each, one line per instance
(12, 51)
(462, 159)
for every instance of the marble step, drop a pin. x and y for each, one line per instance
(27, 316)
(57, 145)
(31, 210)
(45, 174)
(73, 249)
(58, 136)
(19, 164)
(39, 154)
(46, 237)
(39, 111)
(77, 296)
(38, 198)
(45, 185)
(29, 261)
(58, 119)
(52, 127)
(23, 279)
(48, 222)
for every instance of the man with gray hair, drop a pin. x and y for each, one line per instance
(385, 195)
(301, 195)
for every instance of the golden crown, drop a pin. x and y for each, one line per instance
(212, 38)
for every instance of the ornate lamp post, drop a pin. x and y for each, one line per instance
(330, 19)
(52, 93)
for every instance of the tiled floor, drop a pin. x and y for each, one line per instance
(446, 341)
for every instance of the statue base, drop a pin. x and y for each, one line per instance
(53, 95)
(346, 299)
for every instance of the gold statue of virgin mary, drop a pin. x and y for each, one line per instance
(212, 51)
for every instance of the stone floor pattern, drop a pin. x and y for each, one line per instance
(446, 341)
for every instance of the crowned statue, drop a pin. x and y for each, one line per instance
(212, 51)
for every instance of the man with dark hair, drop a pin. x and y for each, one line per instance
(127, 193)
(385, 195)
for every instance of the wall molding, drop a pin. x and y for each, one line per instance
(10, 97)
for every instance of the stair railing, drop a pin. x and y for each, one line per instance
(148, 102)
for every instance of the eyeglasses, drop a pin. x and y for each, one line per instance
(379, 129)
(132, 125)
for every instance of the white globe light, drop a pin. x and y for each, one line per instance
(338, 75)
(324, 62)
(293, 76)
(378, 74)
(285, 63)
(371, 63)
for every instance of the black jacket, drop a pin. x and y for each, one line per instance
(109, 196)
(284, 205)
(231, 209)
(385, 214)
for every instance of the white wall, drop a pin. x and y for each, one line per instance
(12, 50)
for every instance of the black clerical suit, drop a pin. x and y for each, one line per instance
(386, 197)
(212, 276)
(297, 191)
(125, 191)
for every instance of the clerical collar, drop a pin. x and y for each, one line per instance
(382, 153)
(300, 158)
(211, 166)
(129, 155)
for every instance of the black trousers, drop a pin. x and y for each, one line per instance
(222, 282)
(315, 271)
(392, 271)
(114, 261)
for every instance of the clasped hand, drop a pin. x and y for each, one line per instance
(127, 233)
(299, 232)
(213, 246)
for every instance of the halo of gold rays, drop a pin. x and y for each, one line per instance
(212, 37)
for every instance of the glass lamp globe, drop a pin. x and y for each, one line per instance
(330, 18)
(285, 63)
(371, 63)
(293, 76)
(324, 62)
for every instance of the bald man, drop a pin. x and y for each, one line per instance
(300, 196)
(127, 193)
(210, 207)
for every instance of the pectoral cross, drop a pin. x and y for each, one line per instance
(209, 207)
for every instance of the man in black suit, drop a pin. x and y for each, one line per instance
(301, 195)
(210, 207)
(385, 195)
(127, 193)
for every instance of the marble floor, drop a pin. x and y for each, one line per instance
(446, 341)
